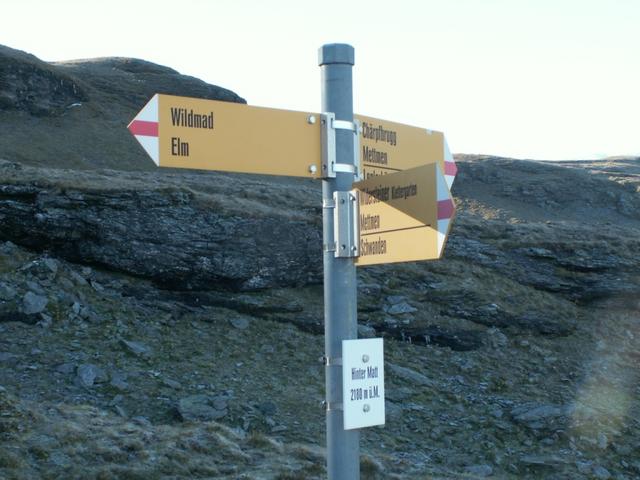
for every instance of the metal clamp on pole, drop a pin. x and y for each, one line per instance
(356, 151)
(331, 406)
(330, 167)
(328, 144)
(346, 224)
(329, 204)
(331, 362)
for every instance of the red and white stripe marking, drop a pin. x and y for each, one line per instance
(145, 128)
(446, 208)
(450, 168)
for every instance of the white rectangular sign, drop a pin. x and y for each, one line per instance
(363, 383)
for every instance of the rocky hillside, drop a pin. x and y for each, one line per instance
(71, 114)
(168, 324)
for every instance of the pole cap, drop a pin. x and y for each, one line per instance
(333, 53)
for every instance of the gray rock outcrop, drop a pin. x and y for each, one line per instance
(163, 234)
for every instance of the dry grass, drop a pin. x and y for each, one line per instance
(113, 447)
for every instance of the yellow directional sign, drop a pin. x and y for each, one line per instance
(211, 135)
(203, 134)
(388, 147)
(404, 216)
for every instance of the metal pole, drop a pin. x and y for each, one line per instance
(340, 287)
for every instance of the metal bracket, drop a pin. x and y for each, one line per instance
(328, 406)
(344, 125)
(346, 224)
(356, 152)
(328, 203)
(328, 126)
(331, 362)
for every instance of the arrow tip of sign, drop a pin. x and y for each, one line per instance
(443, 231)
(152, 146)
(450, 167)
(144, 127)
(446, 208)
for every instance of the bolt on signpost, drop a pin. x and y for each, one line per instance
(394, 206)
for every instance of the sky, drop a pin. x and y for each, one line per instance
(538, 79)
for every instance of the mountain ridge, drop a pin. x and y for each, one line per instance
(76, 111)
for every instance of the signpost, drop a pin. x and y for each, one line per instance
(340, 282)
(211, 135)
(363, 382)
(185, 132)
(404, 216)
(388, 147)
(400, 211)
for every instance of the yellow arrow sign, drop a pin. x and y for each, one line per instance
(211, 135)
(404, 216)
(203, 134)
(388, 147)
